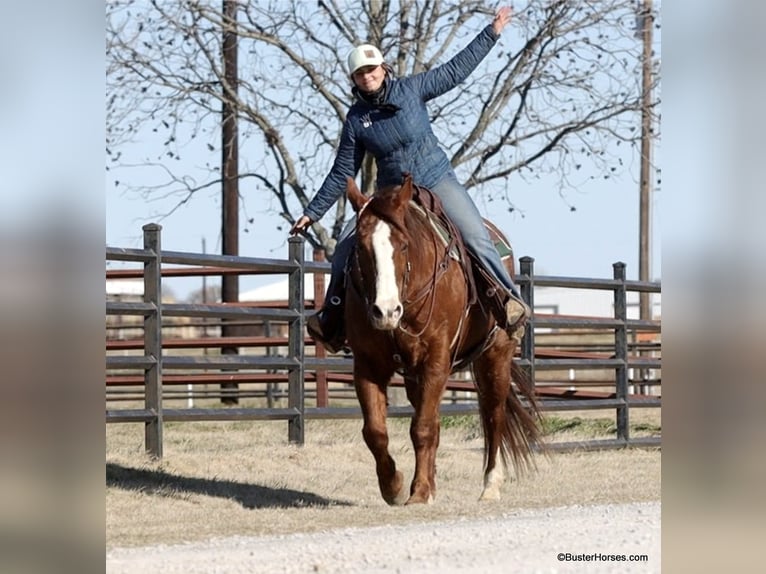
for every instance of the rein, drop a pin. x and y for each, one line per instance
(440, 268)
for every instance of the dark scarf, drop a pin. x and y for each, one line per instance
(376, 99)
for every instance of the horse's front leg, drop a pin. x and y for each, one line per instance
(371, 393)
(425, 394)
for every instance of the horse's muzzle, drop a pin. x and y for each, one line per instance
(386, 319)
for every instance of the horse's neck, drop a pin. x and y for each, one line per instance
(433, 227)
(440, 230)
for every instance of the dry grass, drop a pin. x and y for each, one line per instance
(243, 478)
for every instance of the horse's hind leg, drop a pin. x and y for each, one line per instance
(511, 427)
(372, 399)
(492, 371)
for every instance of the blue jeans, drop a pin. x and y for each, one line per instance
(343, 249)
(466, 217)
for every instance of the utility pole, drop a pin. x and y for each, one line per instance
(646, 21)
(230, 178)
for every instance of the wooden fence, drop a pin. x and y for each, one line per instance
(151, 365)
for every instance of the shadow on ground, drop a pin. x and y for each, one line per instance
(250, 496)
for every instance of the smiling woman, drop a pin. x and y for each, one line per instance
(364, 65)
(369, 79)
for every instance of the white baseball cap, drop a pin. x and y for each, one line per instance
(364, 55)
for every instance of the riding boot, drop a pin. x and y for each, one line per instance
(328, 325)
(509, 310)
(517, 312)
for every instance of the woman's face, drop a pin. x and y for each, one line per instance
(369, 78)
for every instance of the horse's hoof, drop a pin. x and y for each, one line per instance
(398, 494)
(492, 483)
(397, 500)
(420, 499)
(490, 493)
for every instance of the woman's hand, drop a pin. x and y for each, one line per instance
(502, 18)
(301, 225)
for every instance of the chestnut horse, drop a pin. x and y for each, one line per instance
(408, 310)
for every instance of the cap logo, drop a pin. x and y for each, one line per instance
(369, 53)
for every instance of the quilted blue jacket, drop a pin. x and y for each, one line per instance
(400, 140)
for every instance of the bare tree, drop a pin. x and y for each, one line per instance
(558, 93)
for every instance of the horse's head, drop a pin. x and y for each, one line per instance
(382, 242)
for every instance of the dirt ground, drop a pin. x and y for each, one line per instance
(606, 539)
(243, 479)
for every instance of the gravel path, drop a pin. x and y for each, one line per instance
(523, 541)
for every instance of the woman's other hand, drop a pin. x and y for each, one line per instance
(502, 18)
(301, 225)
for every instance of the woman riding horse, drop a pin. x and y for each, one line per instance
(389, 120)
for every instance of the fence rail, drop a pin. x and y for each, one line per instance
(144, 373)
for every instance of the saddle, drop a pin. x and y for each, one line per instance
(482, 286)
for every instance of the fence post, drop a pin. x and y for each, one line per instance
(153, 341)
(526, 267)
(296, 382)
(621, 351)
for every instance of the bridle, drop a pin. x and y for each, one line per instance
(439, 270)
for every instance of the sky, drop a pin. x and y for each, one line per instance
(584, 242)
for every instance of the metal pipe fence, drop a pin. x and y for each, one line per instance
(293, 367)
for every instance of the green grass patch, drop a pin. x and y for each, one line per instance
(592, 427)
(467, 422)
(552, 425)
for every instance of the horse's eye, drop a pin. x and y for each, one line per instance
(405, 246)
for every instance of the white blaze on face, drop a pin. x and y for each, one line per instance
(387, 292)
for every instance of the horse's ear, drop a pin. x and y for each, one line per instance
(405, 192)
(354, 195)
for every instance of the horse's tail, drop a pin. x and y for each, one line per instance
(522, 434)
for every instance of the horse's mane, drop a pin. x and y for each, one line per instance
(386, 205)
